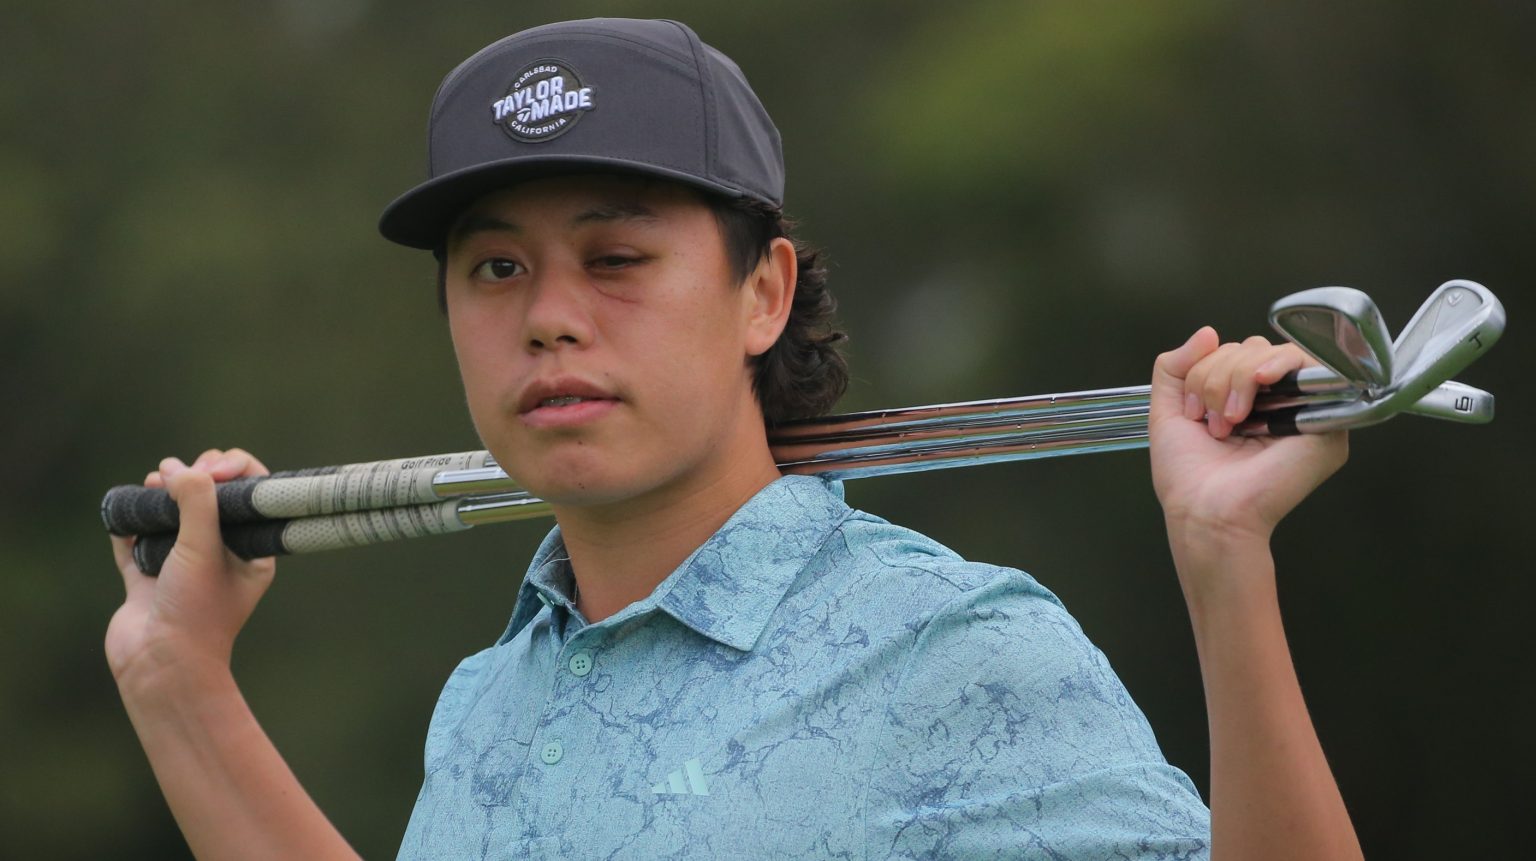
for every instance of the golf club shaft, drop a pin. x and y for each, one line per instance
(137, 510)
(919, 439)
(254, 540)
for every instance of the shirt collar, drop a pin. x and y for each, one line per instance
(729, 587)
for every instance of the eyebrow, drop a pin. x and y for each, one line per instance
(476, 222)
(615, 212)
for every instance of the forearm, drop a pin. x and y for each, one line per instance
(231, 792)
(1272, 793)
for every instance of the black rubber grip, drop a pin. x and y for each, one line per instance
(1282, 422)
(246, 540)
(1285, 386)
(134, 510)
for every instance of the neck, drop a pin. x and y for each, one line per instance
(620, 553)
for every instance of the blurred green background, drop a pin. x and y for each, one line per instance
(1017, 196)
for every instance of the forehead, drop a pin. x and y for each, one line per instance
(580, 200)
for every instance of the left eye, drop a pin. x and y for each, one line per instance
(498, 269)
(614, 261)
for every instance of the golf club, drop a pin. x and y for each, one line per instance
(1342, 328)
(1364, 381)
(1460, 321)
(138, 510)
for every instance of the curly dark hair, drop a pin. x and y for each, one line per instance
(804, 373)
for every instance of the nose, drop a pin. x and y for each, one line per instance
(558, 313)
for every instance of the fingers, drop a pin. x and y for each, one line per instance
(1204, 379)
(199, 542)
(192, 489)
(1223, 386)
(1170, 371)
(134, 580)
(229, 465)
(222, 465)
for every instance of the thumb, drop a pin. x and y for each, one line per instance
(199, 540)
(1171, 369)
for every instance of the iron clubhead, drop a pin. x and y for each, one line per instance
(1341, 328)
(1451, 308)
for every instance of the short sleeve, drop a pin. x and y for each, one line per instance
(1009, 736)
(452, 702)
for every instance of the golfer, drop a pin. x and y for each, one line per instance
(707, 659)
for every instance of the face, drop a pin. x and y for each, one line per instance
(602, 338)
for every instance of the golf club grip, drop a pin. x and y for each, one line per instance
(1274, 423)
(131, 509)
(1289, 386)
(246, 540)
(313, 534)
(137, 510)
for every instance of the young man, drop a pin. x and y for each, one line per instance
(707, 659)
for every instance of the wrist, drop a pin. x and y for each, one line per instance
(1222, 565)
(1236, 526)
(167, 671)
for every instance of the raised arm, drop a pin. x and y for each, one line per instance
(169, 648)
(1272, 793)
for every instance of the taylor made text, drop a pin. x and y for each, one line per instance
(544, 99)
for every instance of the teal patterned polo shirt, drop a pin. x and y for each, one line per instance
(812, 682)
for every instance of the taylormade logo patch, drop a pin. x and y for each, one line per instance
(545, 101)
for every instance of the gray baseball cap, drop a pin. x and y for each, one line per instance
(606, 94)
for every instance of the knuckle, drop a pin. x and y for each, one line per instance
(252, 464)
(1194, 379)
(189, 481)
(1296, 355)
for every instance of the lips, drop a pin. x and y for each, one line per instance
(560, 393)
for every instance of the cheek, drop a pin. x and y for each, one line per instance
(474, 348)
(701, 341)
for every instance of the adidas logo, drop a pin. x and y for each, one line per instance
(685, 781)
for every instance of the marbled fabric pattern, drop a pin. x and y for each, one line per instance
(813, 682)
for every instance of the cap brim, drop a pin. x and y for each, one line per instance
(420, 218)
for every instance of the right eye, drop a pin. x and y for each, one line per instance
(497, 269)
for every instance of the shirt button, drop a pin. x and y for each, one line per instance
(581, 662)
(552, 753)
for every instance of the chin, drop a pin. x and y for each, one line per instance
(560, 482)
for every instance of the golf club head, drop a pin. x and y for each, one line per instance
(1342, 328)
(1450, 307)
(1458, 324)
(1456, 402)
(1318, 386)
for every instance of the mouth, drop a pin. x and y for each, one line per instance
(563, 400)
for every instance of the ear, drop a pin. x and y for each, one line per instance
(768, 295)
